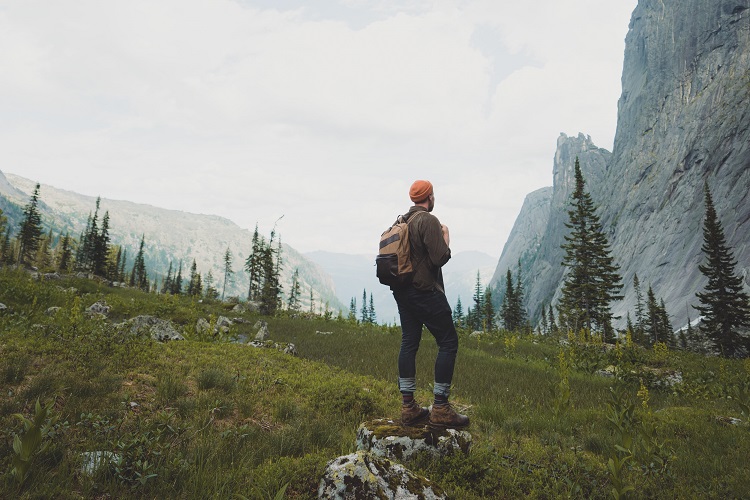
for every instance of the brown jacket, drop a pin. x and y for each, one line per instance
(428, 249)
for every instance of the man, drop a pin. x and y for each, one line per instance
(423, 303)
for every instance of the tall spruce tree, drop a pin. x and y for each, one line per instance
(227, 270)
(592, 281)
(458, 314)
(30, 234)
(640, 313)
(489, 311)
(724, 304)
(254, 266)
(476, 316)
(295, 291)
(509, 309)
(65, 255)
(101, 247)
(372, 317)
(138, 275)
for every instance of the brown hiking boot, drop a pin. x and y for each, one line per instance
(446, 416)
(412, 414)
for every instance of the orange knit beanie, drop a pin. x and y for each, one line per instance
(420, 190)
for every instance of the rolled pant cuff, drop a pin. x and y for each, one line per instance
(442, 389)
(407, 384)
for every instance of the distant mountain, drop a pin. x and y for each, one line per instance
(170, 235)
(683, 121)
(353, 274)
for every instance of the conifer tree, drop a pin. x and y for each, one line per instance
(211, 292)
(553, 329)
(227, 270)
(138, 276)
(43, 259)
(353, 310)
(544, 324)
(30, 234)
(592, 281)
(724, 304)
(638, 327)
(371, 311)
(509, 308)
(458, 314)
(166, 285)
(194, 285)
(254, 266)
(477, 316)
(123, 263)
(365, 317)
(489, 310)
(293, 303)
(66, 254)
(6, 254)
(177, 282)
(101, 248)
(666, 325)
(519, 296)
(312, 301)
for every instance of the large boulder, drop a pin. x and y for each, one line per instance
(362, 475)
(262, 334)
(387, 438)
(100, 308)
(158, 329)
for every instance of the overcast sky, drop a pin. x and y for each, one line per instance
(321, 111)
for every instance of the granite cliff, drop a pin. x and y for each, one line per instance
(683, 120)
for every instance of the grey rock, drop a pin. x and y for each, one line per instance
(99, 307)
(202, 326)
(285, 347)
(159, 329)
(262, 334)
(362, 475)
(239, 308)
(387, 438)
(51, 311)
(260, 324)
(51, 276)
(3, 307)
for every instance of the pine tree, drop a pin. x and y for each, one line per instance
(101, 247)
(365, 317)
(30, 235)
(639, 328)
(508, 309)
(293, 303)
(519, 297)
(227, 271)
(352, 310)
(254, 266)
(458, 314)
(177, 282)
(545, 324)
(477, 316)
(666, 325)
(194, 285)
(312, 301)
(489, 311)
(553, 329)
(371, 311)
(724, 304)
(66, 254)
(123, 264)
(211, 292)
(653, 319)
(43, 259)
(592, 282)
(6, 253)
(138, 276)
(166, 285)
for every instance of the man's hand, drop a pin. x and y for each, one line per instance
(446, 235)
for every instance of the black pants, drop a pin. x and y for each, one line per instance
(431, 309)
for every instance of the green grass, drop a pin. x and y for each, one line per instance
(214, 419)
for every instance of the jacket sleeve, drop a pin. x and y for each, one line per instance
(438, 252)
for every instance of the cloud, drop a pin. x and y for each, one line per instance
(324, 112)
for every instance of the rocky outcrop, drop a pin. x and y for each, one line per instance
(386, 438)
(158, 329)
(362, 475)
(683, 121)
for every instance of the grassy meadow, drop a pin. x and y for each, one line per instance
(209, 417)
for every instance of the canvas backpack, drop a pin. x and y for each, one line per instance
(393, 263)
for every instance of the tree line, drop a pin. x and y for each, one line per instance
(592, 283)
(94, 254)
